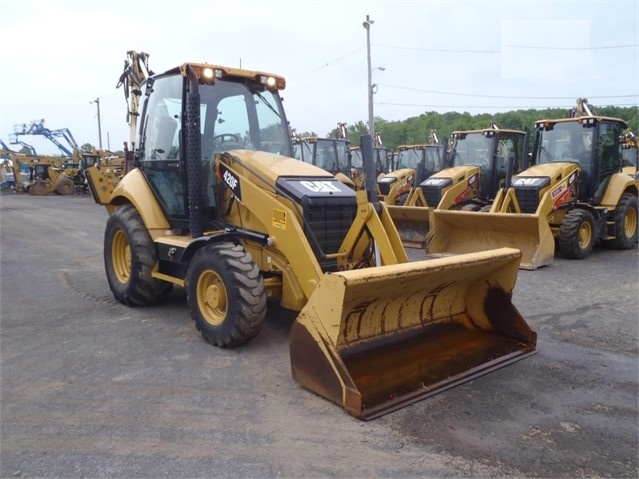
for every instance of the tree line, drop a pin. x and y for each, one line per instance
(415, 130)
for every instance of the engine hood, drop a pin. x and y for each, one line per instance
(456, 172)
(550, 170)
(397, 174)
(269, 166)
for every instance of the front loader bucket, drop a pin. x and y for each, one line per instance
(377, 339)
(458, 232)
(411, 223)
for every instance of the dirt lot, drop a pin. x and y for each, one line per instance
(90, 388)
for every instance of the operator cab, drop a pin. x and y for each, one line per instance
(236, 112)
(490, 150)
(424, 159)
(591, 142)
(330, 154)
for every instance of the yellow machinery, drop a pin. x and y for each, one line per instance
(48, 174)
(414, 163)
(235, 225)
(476, 171)
(575, 194)
(110, 165)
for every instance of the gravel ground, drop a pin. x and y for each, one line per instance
(91, 388)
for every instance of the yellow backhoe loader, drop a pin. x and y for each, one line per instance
(414, 163)
(47, 174)
(234, 225)
(575, 194)
(476, 171)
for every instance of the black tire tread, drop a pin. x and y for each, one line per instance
(249, 296)
(60, 186)
(621, 241)
(569, 233)
(142, 289)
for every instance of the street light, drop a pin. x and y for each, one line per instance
(374, 85)
(97, 102)
(371, 122)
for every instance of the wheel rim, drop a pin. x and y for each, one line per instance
(211, 297)
(121, 256)
(630, 222)
(585, 233)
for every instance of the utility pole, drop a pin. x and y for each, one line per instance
(371, 119)
(97, 102)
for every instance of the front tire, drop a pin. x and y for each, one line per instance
(129, 258)
(625, 217)
(577, 234)
(226, 295)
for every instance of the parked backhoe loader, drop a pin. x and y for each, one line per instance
(575, 194)
(414, 163)
(235, 225)
(476, 171)
(47, 174)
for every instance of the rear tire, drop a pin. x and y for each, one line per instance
(65, 186)
(625, 217)
(129, 258)
(226, 295)
(577, 234)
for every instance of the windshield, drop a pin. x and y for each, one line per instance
(472, 149)
(566, 141)
(409, 158)
(331, 155)
(629, 156)
(356, 159)
(239, 116)
(303, 150)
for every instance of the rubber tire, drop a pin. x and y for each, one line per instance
(471, 207)
(65, 186)
(627, 204)
(569, 243)
(136, 287)
(400, 200)
(240, 285)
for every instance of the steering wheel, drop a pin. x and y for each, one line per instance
(216, 143)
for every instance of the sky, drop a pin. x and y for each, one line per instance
(466, 56)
